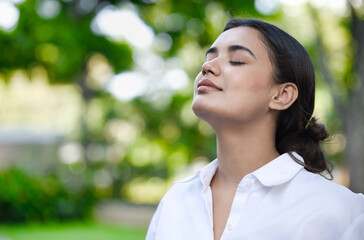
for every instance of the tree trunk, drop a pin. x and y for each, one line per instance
(354, 117)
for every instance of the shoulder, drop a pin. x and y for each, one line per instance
(182, 196)
(183, 188)
(326, 205)
(329, 195)
(325, 187)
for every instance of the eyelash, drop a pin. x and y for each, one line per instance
(236, 63)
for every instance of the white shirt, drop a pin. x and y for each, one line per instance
(280, 200)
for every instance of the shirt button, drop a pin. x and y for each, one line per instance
(248, 183)
(230, 227)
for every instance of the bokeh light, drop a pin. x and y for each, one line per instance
(48, 8)
(120, 24)
(9, 16)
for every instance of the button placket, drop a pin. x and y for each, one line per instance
(207, 197)
(243, 193)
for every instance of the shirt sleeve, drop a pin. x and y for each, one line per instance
(355, 230)
(153, 226)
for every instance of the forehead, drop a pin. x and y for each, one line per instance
(245, 36)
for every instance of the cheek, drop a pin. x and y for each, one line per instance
(254, 80)
(249, 91)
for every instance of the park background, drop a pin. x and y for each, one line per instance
(95, 104)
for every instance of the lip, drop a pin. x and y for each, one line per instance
(207, 85)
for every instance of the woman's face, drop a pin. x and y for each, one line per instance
(236, 82)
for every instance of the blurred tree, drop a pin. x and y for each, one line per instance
(354, 114)
(62, 43)
(346, 85)
(127, 142)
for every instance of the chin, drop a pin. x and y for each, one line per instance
(206, 111)
(201, 109)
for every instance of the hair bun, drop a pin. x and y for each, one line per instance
(317, 131)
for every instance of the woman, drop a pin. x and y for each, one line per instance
(256, 90)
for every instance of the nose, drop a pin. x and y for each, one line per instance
(211, 66)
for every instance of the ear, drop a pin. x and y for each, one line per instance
(284, 96)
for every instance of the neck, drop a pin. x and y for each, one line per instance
(242, 150)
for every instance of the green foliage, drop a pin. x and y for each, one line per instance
(62, 44)
(145, 140)
(25, 198)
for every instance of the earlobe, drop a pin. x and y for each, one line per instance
(285, 95)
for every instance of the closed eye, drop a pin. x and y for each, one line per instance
(236, 63)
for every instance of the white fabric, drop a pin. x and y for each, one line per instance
(280, 200)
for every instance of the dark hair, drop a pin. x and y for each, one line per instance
(296, 129)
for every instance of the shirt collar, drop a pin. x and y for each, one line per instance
(279, 171)
(276, 172)
(205, 174)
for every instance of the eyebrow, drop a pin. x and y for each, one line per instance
(210, 51)
(231, 48)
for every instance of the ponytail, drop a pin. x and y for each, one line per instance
(306, 143)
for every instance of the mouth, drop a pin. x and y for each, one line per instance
(207, 85)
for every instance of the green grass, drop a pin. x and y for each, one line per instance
(70, 231)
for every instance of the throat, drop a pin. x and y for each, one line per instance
(222, 198)
(241, 154)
